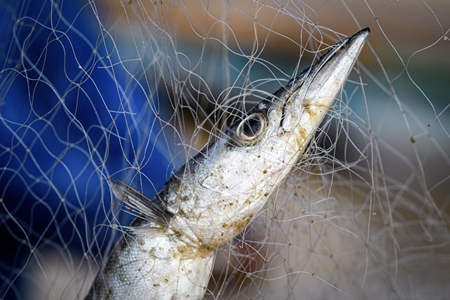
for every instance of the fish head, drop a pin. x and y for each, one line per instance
(269, 139)
(225, 186)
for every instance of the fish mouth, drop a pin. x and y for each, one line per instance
(315, 89)
(332, 68)
(340, 57)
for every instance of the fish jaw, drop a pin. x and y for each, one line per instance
(225, 186)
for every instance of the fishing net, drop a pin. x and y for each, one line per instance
(132, 89)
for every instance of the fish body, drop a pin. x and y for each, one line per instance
(170, 249)
(153, 265)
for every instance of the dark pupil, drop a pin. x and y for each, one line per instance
(251, 126)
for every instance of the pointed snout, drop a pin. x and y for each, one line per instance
(314, 90)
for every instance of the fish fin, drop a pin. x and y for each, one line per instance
(154, 210)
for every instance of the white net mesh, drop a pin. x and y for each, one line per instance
(131, 89)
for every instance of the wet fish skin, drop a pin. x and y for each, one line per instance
(170, 248)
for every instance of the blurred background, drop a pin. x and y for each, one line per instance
(131, 89)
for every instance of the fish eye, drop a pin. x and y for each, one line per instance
(251, 128)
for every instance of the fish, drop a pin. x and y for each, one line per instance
(169, 250)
